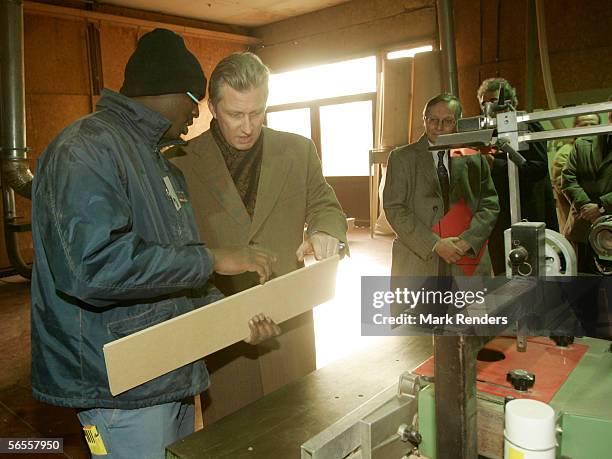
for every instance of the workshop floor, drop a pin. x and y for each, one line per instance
(21, 416)
(337, 322)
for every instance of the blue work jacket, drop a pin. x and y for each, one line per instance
(117, 251)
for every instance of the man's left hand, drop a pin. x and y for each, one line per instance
(321, 244)
(463, 246)
(590, 212)
(262, 328)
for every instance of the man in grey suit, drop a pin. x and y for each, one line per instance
(423, 186)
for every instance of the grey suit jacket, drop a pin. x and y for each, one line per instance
(413, 204)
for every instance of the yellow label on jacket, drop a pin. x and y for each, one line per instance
(94, 440)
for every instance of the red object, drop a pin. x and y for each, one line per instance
(470, 151)
(463, 152)
(455, 222)
(551, 365)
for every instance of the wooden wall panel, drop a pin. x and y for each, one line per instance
(491, 41)
(426, 83)
(48, 115)
(573, 26)
(117, 43)
(513, 29)
(396, 101)
(55, 54)
(468, 33)
(571, 69)
(469, 78)
(353, 194)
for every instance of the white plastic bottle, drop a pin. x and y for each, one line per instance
(529, 431)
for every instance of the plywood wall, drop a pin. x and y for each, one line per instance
(57, 76)
(491, 41)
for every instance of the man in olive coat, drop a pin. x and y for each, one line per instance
(587, 184)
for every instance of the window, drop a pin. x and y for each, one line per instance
(346, 138)
(400, 53)
(334, 106)
(296, 121)
(356, 76)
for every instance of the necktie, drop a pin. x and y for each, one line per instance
(444, 179)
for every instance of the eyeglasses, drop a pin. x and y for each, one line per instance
(194, 98)
(446, 122)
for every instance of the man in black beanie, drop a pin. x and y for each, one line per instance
(117, 251)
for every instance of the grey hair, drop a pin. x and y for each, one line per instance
(452, 101)
(239, 71)
(493, 84)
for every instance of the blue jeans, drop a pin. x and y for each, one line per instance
(140, 433)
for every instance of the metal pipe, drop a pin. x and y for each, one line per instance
(530, 53)
(14, 164)
(585, 109)
(447, 46)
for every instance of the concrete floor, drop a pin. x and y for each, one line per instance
(21, 416)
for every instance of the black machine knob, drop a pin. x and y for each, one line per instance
(521, 379)
(518, 255)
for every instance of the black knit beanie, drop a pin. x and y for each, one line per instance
(162, 64)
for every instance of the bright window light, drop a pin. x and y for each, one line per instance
(356, 76)
(346, 138)
(296, 121)
(408, 52)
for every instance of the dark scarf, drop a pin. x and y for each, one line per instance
(243, 165)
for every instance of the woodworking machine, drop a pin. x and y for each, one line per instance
(474, 376)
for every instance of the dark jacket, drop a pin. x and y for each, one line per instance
(586, 178)
(536, 196)
(114, 255)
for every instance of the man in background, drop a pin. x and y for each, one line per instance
(423, 186)
(558, 163)
(586, 182)
(255, 186)
(536, 196)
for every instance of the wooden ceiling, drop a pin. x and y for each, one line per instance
(246, 13)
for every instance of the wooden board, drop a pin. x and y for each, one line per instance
(157, 350)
